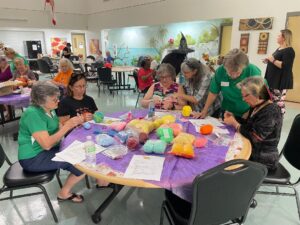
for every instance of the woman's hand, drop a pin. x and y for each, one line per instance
(229, 119)
(270, 59)
(157, 100)
(167, 103)
(74, 122)
(199, 115)
(87, 116)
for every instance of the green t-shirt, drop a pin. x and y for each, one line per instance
(232, 96)
(12, 64)
(34, 119)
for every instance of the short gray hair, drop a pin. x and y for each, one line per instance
(255, 86)
(235, 59)
(166, 68)
(41, 90)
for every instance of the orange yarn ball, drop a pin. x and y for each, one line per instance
(206, 129)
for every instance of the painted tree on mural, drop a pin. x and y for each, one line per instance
(159, 41)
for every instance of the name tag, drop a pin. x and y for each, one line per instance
(224, 84)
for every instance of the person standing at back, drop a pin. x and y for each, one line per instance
(67, 52)
(279, 72)
(235, 68)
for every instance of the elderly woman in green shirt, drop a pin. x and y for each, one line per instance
(235, 68)
(40, 134)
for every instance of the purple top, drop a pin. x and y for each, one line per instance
(178, 173)
(5, 75)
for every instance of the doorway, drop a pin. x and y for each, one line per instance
(292, 23)
(78, 44)
(225, 43)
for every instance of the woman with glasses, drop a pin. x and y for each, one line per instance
(197, 81)
(40, 134)
(235, 68)
(23, 73)
(263, 124)
(5, 73)
(279, 73)
(76, 102)
(163, 93)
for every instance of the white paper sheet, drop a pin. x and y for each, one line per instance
(74, 153)
(106, 121)
(208, 120)
(145, 167)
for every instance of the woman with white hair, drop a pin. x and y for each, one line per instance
(40, 134)
(263, 124)
(65, 71)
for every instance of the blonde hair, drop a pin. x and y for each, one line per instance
(287, 35)
(19, 61)
(9, 51)
(67, 62)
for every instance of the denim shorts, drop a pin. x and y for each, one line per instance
(43, 163)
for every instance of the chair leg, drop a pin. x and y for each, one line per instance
(87, 182)
(297, 201)
(11, 194)
(58, 178)
(138, 97)
(48, 202)
(162, 213)
(277, 189)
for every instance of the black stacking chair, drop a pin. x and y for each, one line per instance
(44, 67)
(135, 76)
(15, 178)
(105, 78)
(281, 176)
(220, 195)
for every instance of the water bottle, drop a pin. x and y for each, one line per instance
(90, 151)
(151, 109)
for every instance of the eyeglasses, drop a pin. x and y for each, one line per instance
(164, 77)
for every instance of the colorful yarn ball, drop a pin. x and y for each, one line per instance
(98, 117)
(186, 110)
(87, 125)
(200, 142)
(132, 143)
(206, 129)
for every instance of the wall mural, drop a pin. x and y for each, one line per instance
(94, 46)
(57, 45)
(256, 24)
(263, 43)
(128, 44)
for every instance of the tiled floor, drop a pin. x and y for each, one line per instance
(133, 205)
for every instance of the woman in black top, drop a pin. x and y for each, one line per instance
(279, 72)
(76, 102)
(263, 124)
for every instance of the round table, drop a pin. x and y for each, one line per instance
(177, 171)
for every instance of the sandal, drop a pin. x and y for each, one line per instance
(71, 198)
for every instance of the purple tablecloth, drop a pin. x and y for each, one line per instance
(177, 172)
(16, 100)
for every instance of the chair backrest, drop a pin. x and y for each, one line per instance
(74, 58)
(136, 80)
(104, 74)
(2, 156)
(44, 67)
(48, 60)
(291, 148)
(221, 195)
(91, 57)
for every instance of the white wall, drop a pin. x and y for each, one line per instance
(14, 37)
(170, 11)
